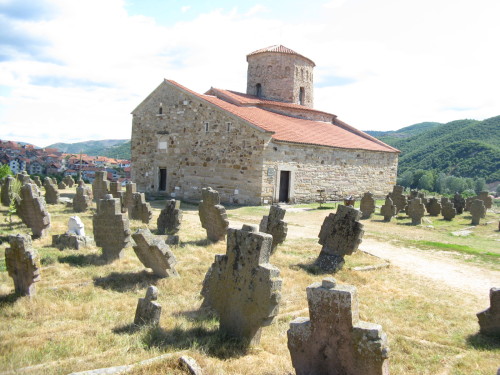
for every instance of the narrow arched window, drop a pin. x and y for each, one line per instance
(160, 110)
(258, 90)
(302, 96)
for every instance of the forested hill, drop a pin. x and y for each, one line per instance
(113, 148)
(463, 148)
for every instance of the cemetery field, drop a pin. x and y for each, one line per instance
(81, 317)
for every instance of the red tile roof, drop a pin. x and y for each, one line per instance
(279, 49)
(296, 130)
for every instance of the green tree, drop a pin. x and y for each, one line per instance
(5, 171)
(426, 182)
(480, 185)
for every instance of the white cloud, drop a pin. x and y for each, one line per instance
(185, 8)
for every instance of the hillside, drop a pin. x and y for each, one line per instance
(463, 148)
(94, 148)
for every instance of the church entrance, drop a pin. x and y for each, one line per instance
(162, 179)
(284, 195)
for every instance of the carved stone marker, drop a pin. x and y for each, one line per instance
(111, 228)
(169, 221)
(61, 185)
(33, 211)
(458, 203)
(115, 189)
(154, 253)
(74, 238)
(213, 215)
(388, 209)
(100, 185)
(68, 180)
(448, 211)
(148, 311)
(7, 190)
(477, 211)
(489, 319)
(416, 211)
(51, 192)
(468, 202)
(334, 341)
(398, 198)
(140, 209)
(22, 264)
(130, 190)
(242, 286)
(433, 207)
(487, 200)
(340, 235)
(82, 201)
(367, 205)
(24, 178)
(37, 181)
(274, 225)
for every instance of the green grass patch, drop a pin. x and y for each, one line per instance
(454, 247)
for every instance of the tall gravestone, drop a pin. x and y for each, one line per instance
(489, 319)
(213, 215)
(169, 221)
(242, 286)
(81, 201)
(33, 211)
(458, 203)
(51, 192)
(111, 228)
(130, 190)
(334, 341)
(448, 211)
(416, 211)
(22, 264)
(148, 311)
(274, 225)
(115, 189)
(477, 211)
(100, 185)
(340, 235)
(6, 192)
(367, 205)
(154, 253)
(140, 209)
(388, 210)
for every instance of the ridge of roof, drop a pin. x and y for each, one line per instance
(279, 48)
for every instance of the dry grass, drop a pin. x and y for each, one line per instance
(82, 314)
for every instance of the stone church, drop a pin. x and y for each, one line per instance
(263, 146)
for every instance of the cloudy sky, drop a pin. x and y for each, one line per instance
(74, 70)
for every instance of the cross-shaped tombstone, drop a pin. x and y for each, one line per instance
(100, 185)
(459, 203)
(334, 341)
(388, 209)
(170, 218)
(115, 189)
(340, 235)
(489, 319)
(33, 211)
(448, 211)
(148, 312)
(22, 264)
(433, 207)
(154, 253)
(367, 205)
(486, 198)
(416, 211)
(81, 201)
(274, 225)
(398, 198)
(213, 215)
(242, 286)
(140, 209)
(477, 210)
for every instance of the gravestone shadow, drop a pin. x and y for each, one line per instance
(9, 299)
(83, 260)
(483, 342)
(126, 281)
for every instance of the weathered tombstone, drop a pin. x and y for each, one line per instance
(448, 211)
(444, 200)
(333, 341)
(213, 215)
(489, 319)
(274, 225)
(81, 201)
(68, 180)
(74, 238)
(400, 200)
(24, 178)
(486, 198)
(37, 181)
(170, 218)
(367, 205)
(100, 185)
(51, 192)
(340, 235)
(33, 211)
(154, 253)
(388, 209)
(413, 194)
(130, 190)
(434, 207)
(115, 189)
(111, 228)
(416, 211)
(7, 190)
(477, 211)
(61, 185)
(468, 202)
(459, 203)
(140, 209)
(242, 286)
(22, 264)
(148, 311)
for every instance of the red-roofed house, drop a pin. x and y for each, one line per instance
(266, 145)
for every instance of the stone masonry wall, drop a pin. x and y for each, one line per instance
(228, 161)
(340, 172)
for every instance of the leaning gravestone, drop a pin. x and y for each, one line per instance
(340, 235)
(388, 209)
(477, 211)
(333, 341)
(82, 201)
(487, 200)
(68, 180)
(242, 286)
(51, 192)
(140, 209)
(434, 207)
(213, 215)
(154, 253)
(274, 225)
(100, 185)
(7, 190)
(170, 218)
(33, 211)
(148, 311)
(111, 228)
(416, 211)
(22, 264)
(74, 238)
(398, 198)
(489, 319)
(458, 203)
(115, 189)
(367, 205)
(448, 211)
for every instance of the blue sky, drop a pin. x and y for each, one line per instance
(74, 70)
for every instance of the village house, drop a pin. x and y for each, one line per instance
(266, 145)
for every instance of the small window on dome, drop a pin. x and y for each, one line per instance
(258, 90)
